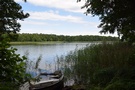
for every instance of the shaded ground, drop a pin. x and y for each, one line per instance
(75, 87)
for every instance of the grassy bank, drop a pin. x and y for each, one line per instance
(35, 43)
(55, 42)
(102, 67)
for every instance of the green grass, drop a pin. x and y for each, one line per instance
(35, 43)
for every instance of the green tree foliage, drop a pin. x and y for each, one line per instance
(10, 13)
(12, 66)
(115, 15)
(52, 37)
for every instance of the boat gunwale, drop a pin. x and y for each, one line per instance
(59, 80)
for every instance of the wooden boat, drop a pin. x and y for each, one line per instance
(55, 82)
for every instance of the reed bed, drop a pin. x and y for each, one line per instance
(106, 66)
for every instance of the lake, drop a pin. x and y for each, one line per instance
(48, 52)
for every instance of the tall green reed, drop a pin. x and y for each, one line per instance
(98, 64)
(32, 66)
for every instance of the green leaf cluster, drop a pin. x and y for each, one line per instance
(11, 12)
(115, 15)
(12, 66)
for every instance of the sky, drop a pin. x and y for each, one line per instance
(60, 17)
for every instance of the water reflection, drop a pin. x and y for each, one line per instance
(49, 52)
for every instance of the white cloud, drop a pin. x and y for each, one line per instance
(29, 22)
(54, 16)
(50, 21)
(60, 32)
(67, 5)
(45, 31)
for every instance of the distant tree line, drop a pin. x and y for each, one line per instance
(24, 37)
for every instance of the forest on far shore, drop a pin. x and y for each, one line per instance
(26, 37)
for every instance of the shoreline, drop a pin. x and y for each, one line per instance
(48, 42)
(35, 43)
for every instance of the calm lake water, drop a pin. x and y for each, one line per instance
(49, 52)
